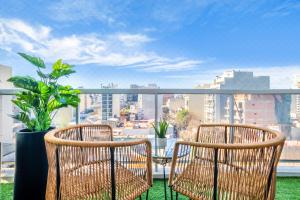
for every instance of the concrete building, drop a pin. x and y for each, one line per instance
(254, 109)
(64, 117)
(6, 107)
(133, 97)
(175, 104)
(166, 97)
(195, 104)
(146, 103)
(90, 108)
(110, 104)
(86, 102)
(214, 110)
(296, 98)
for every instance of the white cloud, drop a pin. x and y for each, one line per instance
(164, 64)
(133, 39)
(121, 49)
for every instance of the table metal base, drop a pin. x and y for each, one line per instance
(165, 184)
(163, 162)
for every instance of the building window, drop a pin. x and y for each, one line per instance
(240, 105)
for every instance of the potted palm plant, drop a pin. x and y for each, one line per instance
(38, 101)
(161, 132)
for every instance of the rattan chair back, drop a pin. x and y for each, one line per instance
(84, 163)
(227, 162)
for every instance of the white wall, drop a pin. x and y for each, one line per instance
(116, 105)
(6, 107)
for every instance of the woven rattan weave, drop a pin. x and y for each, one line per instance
(227, 162)
(84, 163)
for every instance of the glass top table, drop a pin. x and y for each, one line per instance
(160, 154)
(163, 153)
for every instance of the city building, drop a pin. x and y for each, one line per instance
(133, 97)
(166, 97)
(146, 103)
(215, 104)
(254, 109)
(296, 98)
(90, 108)
(175, 104)
(195, 104)
(6, 107)
(64, 117)
(110, 104)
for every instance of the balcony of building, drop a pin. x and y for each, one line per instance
(139, 125)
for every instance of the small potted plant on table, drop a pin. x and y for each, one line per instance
(161, 132)
(38, 102)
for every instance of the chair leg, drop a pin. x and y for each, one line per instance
(176, 195)
(147, 194)
(171, 191)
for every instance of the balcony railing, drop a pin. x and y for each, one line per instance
(281, 114)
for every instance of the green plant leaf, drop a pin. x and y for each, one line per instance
(44, 90)
(162, 128)
(24, 82)
(61, 69)
(33, 60)
(54, 105)
(24, 118)
(26, 97)
(43, 121)
(42, 75)
(39, 99)
(22, 105)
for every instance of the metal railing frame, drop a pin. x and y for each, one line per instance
(157, 92)
(172, 91)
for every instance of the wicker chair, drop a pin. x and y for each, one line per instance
(227, 162)
(84, 163)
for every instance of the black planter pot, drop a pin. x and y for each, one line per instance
(31, 166)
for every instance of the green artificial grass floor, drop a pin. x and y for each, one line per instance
(287, 189)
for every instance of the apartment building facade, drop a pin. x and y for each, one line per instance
(146, 103)
(6, 107)
(109, 104)
(215, 105)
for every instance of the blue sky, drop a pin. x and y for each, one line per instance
(176, 44)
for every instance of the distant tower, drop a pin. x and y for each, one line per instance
(297, 97)
(133, 97)
(110, 103)
(146, 103)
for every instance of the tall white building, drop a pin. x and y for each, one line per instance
(110, 104)
(297, 97)
(195, 104)
(146, 103)
(6, 107)
(215, 109)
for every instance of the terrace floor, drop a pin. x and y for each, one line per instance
(287, 189)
